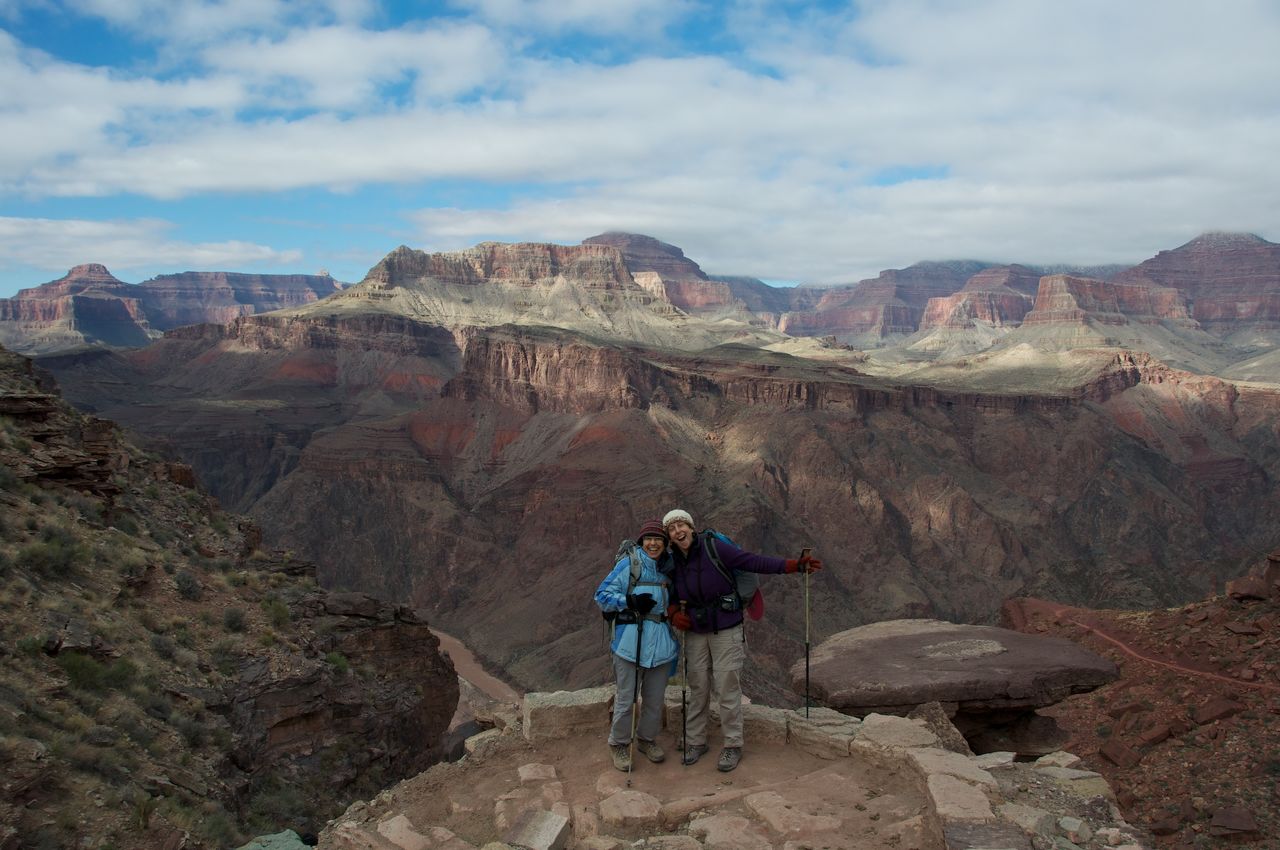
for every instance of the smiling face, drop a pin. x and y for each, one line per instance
(653, 545)
(681, 534)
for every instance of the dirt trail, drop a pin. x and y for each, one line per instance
(1066, 614)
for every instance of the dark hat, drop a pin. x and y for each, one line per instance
(651, 528)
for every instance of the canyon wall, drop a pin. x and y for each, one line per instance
(486, 475)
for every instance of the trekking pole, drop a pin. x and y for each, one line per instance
(804, 553)
(684, 693)
(635, 699)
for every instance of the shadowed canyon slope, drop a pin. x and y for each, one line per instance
(416, 447)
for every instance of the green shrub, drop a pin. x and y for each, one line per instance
(127, 524)
(30, 645)
(163, 646)
(233, 619)
(191, 730)
(56, 555)
(9, 479)
(338, 661)
(87, 674)
(277, 612)
(188, 586)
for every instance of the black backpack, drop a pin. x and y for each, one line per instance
(747, 585)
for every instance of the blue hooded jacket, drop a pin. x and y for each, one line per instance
(657, 645)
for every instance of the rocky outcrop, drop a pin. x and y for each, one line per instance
(990, 680)
(807, 779)
(89, 306)
(373, 684)
(891, 304)
(1063, 299)
(999, 296)
(1231, 280)
(190, 298)
(646, 254)
(198, 668)
(524, 264)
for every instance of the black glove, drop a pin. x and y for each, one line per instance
(641, 603)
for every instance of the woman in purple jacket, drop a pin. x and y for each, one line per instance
(709, 610)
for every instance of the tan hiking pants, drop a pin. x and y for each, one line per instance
(715, 671)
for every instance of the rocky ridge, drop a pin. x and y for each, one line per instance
(542, 779)
(1188, 734)
(90, 306)
(165, 681)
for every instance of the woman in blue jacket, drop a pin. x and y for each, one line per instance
(644, 600)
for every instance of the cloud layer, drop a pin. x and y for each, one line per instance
(787, 140)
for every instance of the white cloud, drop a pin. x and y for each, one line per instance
(634, 17)
(345, 67)
(122, 245)
(206, 21)
(1080, 132)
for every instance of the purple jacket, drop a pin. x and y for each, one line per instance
(700, 585)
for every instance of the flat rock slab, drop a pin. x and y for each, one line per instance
(894, 666)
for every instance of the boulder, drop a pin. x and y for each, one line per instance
(892, 667)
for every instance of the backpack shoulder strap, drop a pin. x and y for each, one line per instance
(709, 542)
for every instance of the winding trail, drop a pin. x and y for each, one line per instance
(1064, 613)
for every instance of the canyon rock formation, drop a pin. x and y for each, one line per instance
(90, 306)
(165, 680)
(486, 474)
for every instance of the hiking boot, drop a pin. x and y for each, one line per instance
(621, 757)
(729, 758)
(693, 752)
(650, 750)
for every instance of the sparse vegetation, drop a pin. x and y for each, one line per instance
(188, 585)
(277, 612)
(338, 661)
(233, 619)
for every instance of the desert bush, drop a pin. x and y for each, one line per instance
(163, 646)
(87, 506)
(6, 563)
(56, 555)
(191, 730)
(127, 524)
(233, 619)
(277, 612)
(225, 656)
(338, 661)
(89, 674)
(30, 645)
(9, 479)
(188, 585)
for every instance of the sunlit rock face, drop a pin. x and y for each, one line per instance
(1231, 280)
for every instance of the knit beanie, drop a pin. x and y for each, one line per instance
(651, 528)
(672, 516)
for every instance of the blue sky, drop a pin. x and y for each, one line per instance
(793, 141)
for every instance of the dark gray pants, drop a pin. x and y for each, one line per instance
(653, 689)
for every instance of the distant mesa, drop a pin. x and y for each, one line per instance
(1181, 305)
(90, 306)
